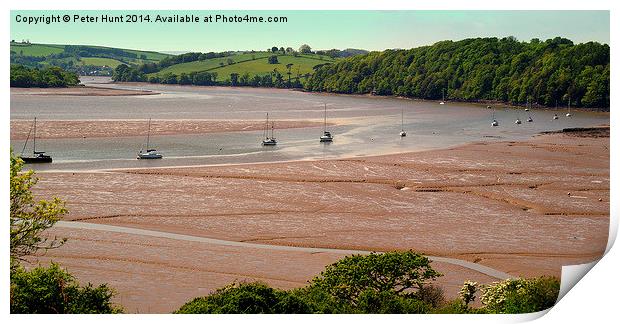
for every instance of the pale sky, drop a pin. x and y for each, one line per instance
(371, 30)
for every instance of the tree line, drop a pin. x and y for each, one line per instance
(274, 79)
(49, 77)
(547, 73)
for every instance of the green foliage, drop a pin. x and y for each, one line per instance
(458, 307)
(468, 292)
(548, 73)
(400, 273)
(54, 291)
(514, 296)
(246, 298)
(273, 59)
(29, 218)
(371, 301)
(125, 73)
(305, 49)
(51, 77)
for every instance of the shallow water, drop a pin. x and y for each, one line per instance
(370, 125)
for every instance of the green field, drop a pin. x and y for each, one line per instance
(36, 49)
(301, 66)
(100, 61)
(48, 49)
(243, 63)
(210, 64)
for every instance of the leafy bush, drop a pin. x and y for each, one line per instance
(30, 218)
(247, 298)
(514, 296)
(54, 291)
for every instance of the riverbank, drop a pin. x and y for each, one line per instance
(80, 91)
(493, 103)
(505, 205)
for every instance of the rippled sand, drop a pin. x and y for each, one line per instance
(505, 205)
(121, 128)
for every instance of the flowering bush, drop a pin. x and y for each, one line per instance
(520, 295)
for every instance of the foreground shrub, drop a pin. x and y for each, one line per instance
(401, 274)
(521, 295)
(458, 307)
(54, 291)
(393, 282)
(247, 298)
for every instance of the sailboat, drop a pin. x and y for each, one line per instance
(443, 97)
(402, 122)
(150, 153)
(494, 122)
(269, 140)
(37, 156)
(529, 116)
(568, 113)
(327, 136)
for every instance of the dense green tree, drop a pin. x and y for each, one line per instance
(400, 273)
(234, 79)
(305, 49)
(273, 59)
(49, 77)
(52, 290)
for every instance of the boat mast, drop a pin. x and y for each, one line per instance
(402, 118)
(266, 131)
(34, 138)
(325, 118)
(26, 142)
(148, 136)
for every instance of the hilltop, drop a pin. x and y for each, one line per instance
(250, 63)
(82, 59)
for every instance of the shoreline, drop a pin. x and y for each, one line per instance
(480, 102)
(80, 91)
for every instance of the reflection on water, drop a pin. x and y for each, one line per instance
(370, 125)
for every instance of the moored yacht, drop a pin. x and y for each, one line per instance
(149, 154)
(37, 156)
(327, 136)
(268, 140)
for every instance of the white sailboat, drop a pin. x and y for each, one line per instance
(37, 156)
(327, 136)
(150, 154)
(443, 97)
(529, 116)
(494, 122)
(268, 140)
(402, 122)
(568, 113)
